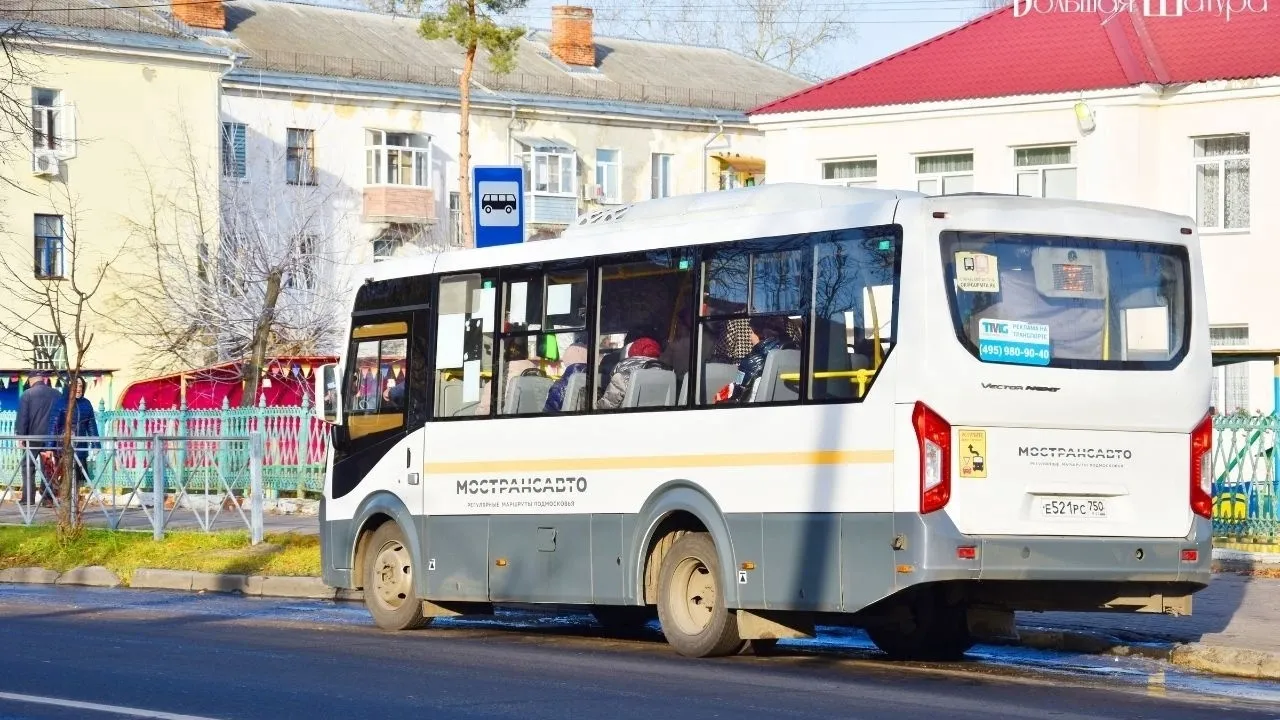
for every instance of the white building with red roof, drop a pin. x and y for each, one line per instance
(1057, 99)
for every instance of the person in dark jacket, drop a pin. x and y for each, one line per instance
(768, 334)
(555, 396)
(34, 408)
(83, 425)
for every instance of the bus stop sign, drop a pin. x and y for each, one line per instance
(497, 193)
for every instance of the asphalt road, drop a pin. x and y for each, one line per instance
(151, 655)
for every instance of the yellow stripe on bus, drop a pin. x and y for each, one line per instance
(818, 457)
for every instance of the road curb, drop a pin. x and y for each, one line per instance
(287, 586)
(1214, 659)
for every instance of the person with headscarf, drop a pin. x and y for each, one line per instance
(641, 353)
(767, 334)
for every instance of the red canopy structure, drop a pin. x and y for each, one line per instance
(285, 382)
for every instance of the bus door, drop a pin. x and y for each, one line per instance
(384, 400)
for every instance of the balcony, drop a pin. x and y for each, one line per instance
(399, 204)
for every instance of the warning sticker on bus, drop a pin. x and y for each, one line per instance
(977, 272)
(973, 453)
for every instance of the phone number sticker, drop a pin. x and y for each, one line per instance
(1014, 342)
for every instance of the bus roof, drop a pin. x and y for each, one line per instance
(711, 217)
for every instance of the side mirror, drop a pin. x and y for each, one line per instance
(328, 398)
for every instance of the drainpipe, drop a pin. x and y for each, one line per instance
(510, 136)
(719, 131)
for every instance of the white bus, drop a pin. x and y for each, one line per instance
(752, 412)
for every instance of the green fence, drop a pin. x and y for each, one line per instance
(296, 442)
(1246, 494)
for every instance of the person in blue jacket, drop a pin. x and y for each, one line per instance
(83, 425)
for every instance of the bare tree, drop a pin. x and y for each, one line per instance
(236, 273)
(473, 24)
(53, 298)
(787, 34)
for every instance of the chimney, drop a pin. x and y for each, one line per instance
(207, 14)
(571, 41)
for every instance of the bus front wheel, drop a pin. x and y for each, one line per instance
(691, 605)
(388, 581)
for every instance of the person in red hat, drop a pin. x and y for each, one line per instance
(643, 352)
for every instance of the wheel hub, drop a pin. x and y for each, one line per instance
(393, 575)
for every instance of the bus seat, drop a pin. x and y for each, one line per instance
(714, 377)
(527, 394)
(448, 397)
(467, 410)
(651, 387)
(574, 391)
(769, 386)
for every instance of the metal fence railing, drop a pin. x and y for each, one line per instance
(1246, 491)
(132, 482)
(295, 441)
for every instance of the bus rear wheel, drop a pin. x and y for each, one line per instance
(388, 581)
(924, 629)
(691, 605)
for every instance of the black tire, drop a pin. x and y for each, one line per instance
(488, 208)
(388, 581)
(931, 632)
(692, 624)
(623, 618)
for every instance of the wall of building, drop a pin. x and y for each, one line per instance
(136, 120)
(1139, 153)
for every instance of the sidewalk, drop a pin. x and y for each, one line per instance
(1234, 611)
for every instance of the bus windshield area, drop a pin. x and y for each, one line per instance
(1064, 301)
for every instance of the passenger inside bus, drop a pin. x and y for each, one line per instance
(768, 334)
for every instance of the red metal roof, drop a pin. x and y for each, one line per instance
(1000, 55)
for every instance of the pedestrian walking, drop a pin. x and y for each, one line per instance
(83, 425)
(34, 409)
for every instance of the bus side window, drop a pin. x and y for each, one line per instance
(464, 345)
(379, 379)
(853, 313)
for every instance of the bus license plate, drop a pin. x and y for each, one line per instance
(1069, 507)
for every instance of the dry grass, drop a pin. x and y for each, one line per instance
(123, 552)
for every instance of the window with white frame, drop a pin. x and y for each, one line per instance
(300, 156)
(455, 218)
(662, 185)
(944, 174)
(1222, 181)
(1230, 382)
(609, 175)
(302, 275)
(550, 169)
(233, 150)
(48, 352)
(46, 119)
(1048, 171)
(853, 173)
(394, 158)
(50, 248)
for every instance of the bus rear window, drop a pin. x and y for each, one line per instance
(1062, 301)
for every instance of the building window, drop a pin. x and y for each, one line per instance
(302, 274)
(300, 157)
(609, 176)
(944, 174)
(397, 158)
(50, 248)
(852, 173)
(233, 150)
(46, 119)
(550, 169)
(1230, 382)
(47, 353)
(455, 218)
(1048, 172)
(1222, 182)
(662, 181)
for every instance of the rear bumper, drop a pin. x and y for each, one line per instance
(932, 540)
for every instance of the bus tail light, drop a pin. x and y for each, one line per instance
(934, 436)
(1202, 468)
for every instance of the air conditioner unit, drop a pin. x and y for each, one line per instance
(44, 162)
